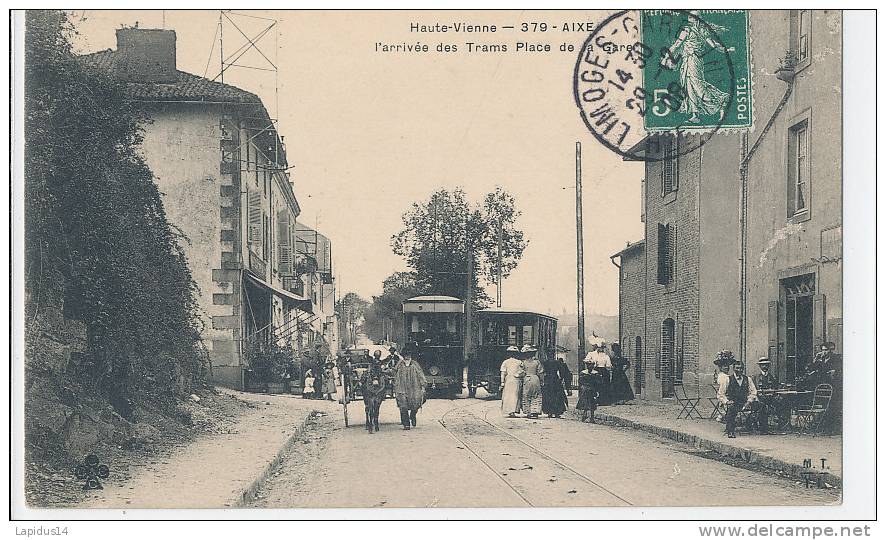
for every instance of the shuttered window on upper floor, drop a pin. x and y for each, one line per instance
(254, 218)
(284, 243)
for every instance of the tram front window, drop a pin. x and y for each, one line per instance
(435, 329)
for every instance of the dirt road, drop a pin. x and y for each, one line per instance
(463, 453)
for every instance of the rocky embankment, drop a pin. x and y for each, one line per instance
(64, 424)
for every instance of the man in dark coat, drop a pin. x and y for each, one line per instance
(827, 368)
(766, 382)
(409, 387)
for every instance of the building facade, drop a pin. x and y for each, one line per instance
(757, 271)
(632, 309)
(221, 167)
(314, 263)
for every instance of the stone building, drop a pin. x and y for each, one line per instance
(222, 169)
(314, 262)
(698, 297)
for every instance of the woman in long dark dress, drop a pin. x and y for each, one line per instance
(553, 393)
(620, 389)
(589, 383)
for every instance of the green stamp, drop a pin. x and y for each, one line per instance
(698, 76)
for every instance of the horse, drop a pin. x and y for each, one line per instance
(373, 390)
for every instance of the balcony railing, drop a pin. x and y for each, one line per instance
(257, 265)
(294, 285)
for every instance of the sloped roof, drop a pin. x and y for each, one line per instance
(187, 87)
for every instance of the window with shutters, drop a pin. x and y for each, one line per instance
(666, 366)
(266, 236)
(798, 169)
(284, 244)
(643, 200)
(666, 253)
(254, 219)
(670, 177)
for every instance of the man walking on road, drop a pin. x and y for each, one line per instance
(409, 387)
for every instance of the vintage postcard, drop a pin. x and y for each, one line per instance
(315, 259)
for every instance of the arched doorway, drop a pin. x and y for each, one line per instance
(667, 357)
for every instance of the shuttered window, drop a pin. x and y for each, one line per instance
(284, 244)
(666, 253)
(669, 165)
(254, 217)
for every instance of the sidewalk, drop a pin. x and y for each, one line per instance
(219, 470)
(783, 452)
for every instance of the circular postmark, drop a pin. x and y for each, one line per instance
(644, 79)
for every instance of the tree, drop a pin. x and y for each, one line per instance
(441, 234)
(384, 317)
(97, 242)
(350, 309)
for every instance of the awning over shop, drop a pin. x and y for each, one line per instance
(301, 302)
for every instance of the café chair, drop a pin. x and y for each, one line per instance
(810, 418)
(718, 410)
(688, 400)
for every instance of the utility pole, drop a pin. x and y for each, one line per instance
(468, 303)
(579, 245)
(468, 357)
(499, 271)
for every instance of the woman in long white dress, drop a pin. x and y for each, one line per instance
(512, 373)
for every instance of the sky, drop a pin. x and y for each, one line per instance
(368, 133)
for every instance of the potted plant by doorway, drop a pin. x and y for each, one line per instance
(787, 66)
(269, 366)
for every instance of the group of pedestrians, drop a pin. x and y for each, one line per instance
(603, 381)
(320, 376)
(533, 386)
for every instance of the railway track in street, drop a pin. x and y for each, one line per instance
(528, 471)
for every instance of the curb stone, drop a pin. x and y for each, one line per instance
(248, 495)
(749, 456)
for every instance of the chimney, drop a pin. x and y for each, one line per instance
(146, 55)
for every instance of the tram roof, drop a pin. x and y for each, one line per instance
(513, 311)
(433, 298)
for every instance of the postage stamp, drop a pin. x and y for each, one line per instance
(703, 61)
(664, 72)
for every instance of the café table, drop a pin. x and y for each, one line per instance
(784, 401)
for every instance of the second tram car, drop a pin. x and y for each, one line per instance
(503, 328)
(436, 325)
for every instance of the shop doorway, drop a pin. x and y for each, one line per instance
(799, 293)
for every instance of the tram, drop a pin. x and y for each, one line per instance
(436, 325)
(503, 328)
